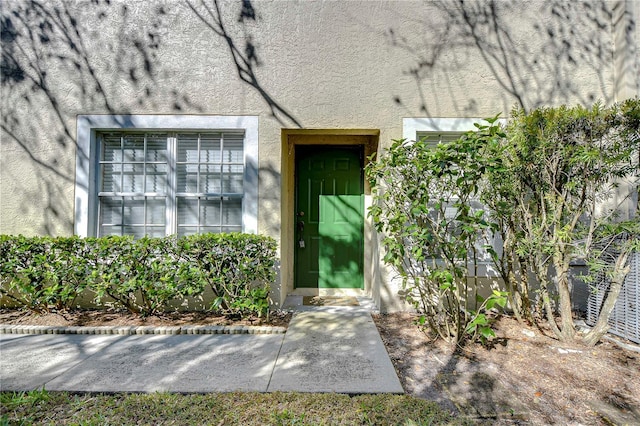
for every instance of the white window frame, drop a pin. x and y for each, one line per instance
(412, 126)
(89, 126)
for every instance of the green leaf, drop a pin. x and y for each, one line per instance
(487, 332)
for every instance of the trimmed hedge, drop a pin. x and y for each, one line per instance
(144, 276)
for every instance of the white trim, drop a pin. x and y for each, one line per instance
(411, 126)
(86, 157)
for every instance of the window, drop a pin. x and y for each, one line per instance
(448, 128)
(159, 175)
(435, 138)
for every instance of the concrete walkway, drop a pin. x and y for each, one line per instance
(323, 350)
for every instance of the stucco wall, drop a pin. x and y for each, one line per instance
(309, 64)
(626, 54)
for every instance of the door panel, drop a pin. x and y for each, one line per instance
(341, 225)
(329, 217)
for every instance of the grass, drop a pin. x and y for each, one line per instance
(237, 408)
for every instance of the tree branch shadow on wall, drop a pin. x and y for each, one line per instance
(534, 61)
(49, 58)
(246, 60)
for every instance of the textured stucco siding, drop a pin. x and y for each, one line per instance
(309, 64)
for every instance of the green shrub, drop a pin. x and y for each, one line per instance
(43, 272)
(556, 184)
(570, 179)
(23, 270)
(425, 206)
(238, 269)
(70, 261)
(143, 276)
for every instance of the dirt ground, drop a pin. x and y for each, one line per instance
(525, 378)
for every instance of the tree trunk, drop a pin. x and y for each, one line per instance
(524, 285)
(621, 269)
(546, 300)
(513, 295)
(567, 328)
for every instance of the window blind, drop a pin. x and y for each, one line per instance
(158, 183)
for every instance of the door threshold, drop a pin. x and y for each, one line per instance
(297, 303)
(328, 292)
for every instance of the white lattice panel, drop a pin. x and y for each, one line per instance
(625, 318)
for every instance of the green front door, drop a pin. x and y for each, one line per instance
(329, 217)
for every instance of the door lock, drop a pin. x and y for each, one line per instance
(301, 231)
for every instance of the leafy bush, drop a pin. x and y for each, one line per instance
(23, 270)
(70, 260)
(567, 174)
(552, 183)
(238, 268)
(426, 207)
(142, 276)
(43, 272)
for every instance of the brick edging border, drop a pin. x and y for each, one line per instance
(139, 330)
